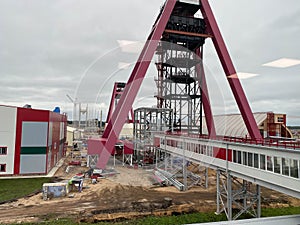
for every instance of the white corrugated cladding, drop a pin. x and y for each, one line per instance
(8, 120)
(49, 146)
(62, 131)
(61, 137)
(127, 131)
(233, 125)
(70, 135)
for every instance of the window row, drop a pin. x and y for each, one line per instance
(3, 150)
(284, 166)
(193, 147)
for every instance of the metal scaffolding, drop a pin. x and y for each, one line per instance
(147, 122)
(179, 172)
(236, 195)
(179, 79)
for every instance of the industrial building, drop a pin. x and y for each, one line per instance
(270, 125)
(31, 141)
(179, 140)
(183, 129)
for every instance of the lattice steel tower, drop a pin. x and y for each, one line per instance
(179, 68)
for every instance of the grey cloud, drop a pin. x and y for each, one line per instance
(48, 47)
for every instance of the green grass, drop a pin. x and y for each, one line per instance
(180, 219)
(269, 212)
(177, 220)
(16, 188)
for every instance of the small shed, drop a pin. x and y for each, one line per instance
(55, 190)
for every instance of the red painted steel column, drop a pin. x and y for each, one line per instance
(229, 70)
(18, 141)
(205, 98)
(132, 87)
(112, 101)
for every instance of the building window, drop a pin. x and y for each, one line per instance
(280, 120)
(3, 150)
(2, 167)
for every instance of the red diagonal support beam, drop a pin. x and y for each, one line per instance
(112, 102)
(123, 107)
(229, 70)
(205, 97)
(117, 91)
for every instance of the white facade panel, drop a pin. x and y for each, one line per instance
(61, 130)
(33, 164)
(127, 131)
(8, 121)
(34, 134)
(50, 134)
(70, 135)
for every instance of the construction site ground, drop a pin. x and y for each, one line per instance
(128, 194)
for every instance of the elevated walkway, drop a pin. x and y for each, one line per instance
(274, 168)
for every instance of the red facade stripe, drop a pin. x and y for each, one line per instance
(25, 114)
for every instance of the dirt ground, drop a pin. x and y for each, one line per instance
(127, 194)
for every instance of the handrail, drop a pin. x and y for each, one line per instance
(269, 166)
(271, 142)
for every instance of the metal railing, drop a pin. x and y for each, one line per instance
(269, 142)
(272, 167)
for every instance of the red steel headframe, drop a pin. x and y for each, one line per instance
(229, 70)
(114, 126)
(118, 118)
(116, 92)
(112, 102)
(205, 97)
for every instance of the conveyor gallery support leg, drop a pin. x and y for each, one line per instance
(238, 194)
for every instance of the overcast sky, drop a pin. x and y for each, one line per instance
(51, 48)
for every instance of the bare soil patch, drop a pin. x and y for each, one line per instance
(117, 197)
